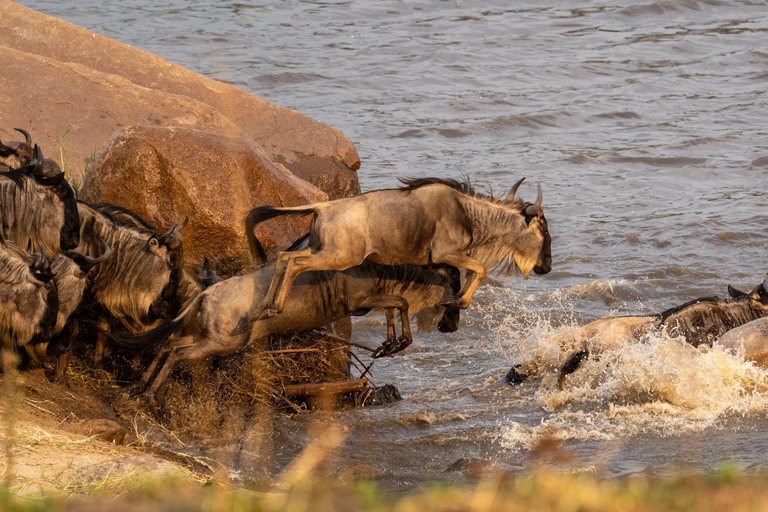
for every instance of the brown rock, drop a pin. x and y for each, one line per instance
(106, 430)
(310, 149)
(164, 174)
(91, 104)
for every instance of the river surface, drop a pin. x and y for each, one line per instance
(647, 126)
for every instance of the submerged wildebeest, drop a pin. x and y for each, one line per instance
(38, 205)
(429, 221)
(135, 287)
(218, 323)
(14, 155)
(29, 302)
(700, 321)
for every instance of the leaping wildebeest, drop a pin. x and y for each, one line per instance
(428, 221)
(700, 321)
(218, 321)
(38, 206)
(29, 302)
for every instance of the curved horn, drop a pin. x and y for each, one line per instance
(3, 147)
(42, 260)
(765, 284)
(86, 263)
(27, 138)
(535, 208)
(513, 190)
(164, 237)
(184, 222)
(37, 161)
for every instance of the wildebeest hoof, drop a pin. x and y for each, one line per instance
(391, 347)
(515, 377)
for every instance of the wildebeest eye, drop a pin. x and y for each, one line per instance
(49, 285)
(153, 243)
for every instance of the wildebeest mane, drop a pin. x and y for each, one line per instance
(671, 311)
(118, 214)
(15, 175)
(462, 186)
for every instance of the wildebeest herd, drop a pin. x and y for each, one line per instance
(73, 271)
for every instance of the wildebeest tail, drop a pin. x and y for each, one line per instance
(154, 337)
(259, 215)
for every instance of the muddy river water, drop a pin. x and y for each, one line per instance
(647, 126)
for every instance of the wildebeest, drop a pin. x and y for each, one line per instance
(750, 340)
(16, 154)
(217, 322)
(429, 221)
(38, 205)
(72, 273)
(700, 321)
(135, 287)
(29, 302)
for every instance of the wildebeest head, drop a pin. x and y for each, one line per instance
(43, 205)
(536, 240)
(16, 154)
(73, 276)
(29, 304)
(758, 298)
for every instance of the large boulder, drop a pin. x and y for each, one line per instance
(165, 174)
(47, 97)
(310, 149)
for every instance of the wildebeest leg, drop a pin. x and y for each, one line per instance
(278, 282)
(303, 260)
(101, 343)
(170, 345)
(277, 278)
(189, 352)
(390, 314)
(570, 366)
(475, 274)
(62, 363)
(389, 303)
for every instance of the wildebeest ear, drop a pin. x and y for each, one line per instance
(513, 191)
(735, 293)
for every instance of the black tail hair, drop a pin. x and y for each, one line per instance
(259, 215)
(573, 363)
(143, 340)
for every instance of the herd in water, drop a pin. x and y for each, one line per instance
(72, 272)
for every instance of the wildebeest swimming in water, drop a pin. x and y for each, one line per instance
(218, 323)
(429, 221)
(38, 205)
(700, 321)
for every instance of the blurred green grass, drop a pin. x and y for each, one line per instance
(541, 490)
